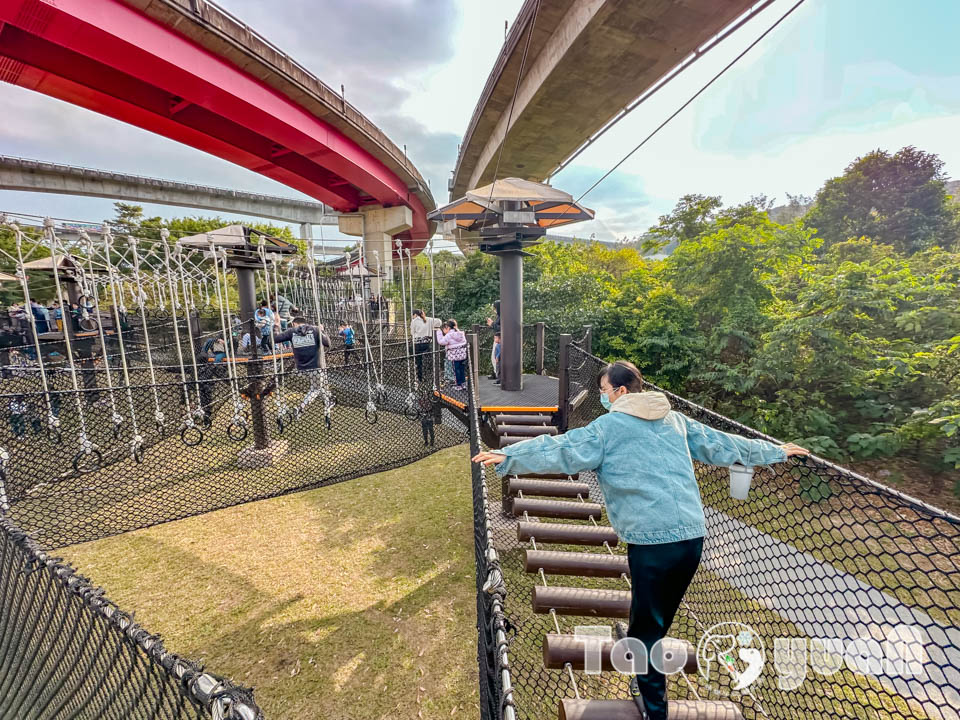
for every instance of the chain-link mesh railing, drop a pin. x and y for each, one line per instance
(66, 651)
(146, 460)
(852, 587)
(493, 629)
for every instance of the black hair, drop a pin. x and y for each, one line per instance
(420, 313)
(451, 323)
(263, 303)
(299, 321)
(496, 334)
(622, 374)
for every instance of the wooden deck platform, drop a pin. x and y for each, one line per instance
(540, 393)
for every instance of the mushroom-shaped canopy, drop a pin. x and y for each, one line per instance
(512, 201)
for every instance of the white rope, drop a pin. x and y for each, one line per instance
(117, 298)
(380, 389)
(53, 422)
(403, 295)
(116, 417)
(433, 316)
(188, 304)
(227, 334)
(158, 413)
(278, 398)
(171, 284)
(86, 446)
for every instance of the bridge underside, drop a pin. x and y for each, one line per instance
(110, 58)
(587, 60)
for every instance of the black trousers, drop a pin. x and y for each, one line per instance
(420, 349)
(347, 353)
(660, 575)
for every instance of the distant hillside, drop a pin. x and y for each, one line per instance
(953, 188)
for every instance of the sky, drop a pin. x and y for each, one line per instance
(832, 82)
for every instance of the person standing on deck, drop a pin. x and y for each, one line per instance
(455, 343)
(643, 453)
(421, 329)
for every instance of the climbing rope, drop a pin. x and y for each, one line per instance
(88, 451)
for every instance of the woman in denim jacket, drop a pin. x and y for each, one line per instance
(643, 453)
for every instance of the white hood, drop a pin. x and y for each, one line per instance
(644, 405)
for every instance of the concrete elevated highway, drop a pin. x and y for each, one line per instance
(189, 71)
(27, 175)
(586, 61)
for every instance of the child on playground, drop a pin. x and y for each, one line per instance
(263, 318)
(455, 343)
(306, 340)
(643, 453)
(349, 337)
(496, 358)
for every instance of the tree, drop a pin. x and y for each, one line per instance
(898, 200)
(690, 218)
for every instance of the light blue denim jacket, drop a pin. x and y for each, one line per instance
(643, 454)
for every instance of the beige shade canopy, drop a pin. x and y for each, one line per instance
(517, 189)
(232, 236)
(64, 263)
(6, 277)
(533, 205)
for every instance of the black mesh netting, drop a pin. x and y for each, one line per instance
(816, 554)
(176, 441)
(67, 652)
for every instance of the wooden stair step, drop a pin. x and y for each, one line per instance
(522, 419)
(508, 440)
(550, 488)
(549, 476)
(560, 649)
(566, 509)
(586, 564)
(526, 430)
(564, 534)
(581, 601)
(627, 710)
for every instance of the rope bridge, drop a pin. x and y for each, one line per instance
(832, 572)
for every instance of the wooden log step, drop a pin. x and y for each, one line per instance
(508, 440)
(521, 419)
(550, 488)
(595, 564)
(563, 534)
(527, 430)
(581, 601)
(550, 476)
(627, 710)
(568, 510)
(558, 650)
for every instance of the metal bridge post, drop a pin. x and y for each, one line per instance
(541, 329)
(564, 399)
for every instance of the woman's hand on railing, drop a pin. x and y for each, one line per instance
(792, 449)
(489, 458)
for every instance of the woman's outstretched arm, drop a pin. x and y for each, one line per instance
(716, 447)
(572, 452)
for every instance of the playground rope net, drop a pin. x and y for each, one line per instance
(84, 476)
(853, 589)
(67, 651)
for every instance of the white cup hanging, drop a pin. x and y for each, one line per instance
(740, 477)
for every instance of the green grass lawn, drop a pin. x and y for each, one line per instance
(350, 601)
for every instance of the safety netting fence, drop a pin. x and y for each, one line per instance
(66, 651)
(852, 590)
(110, 457)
